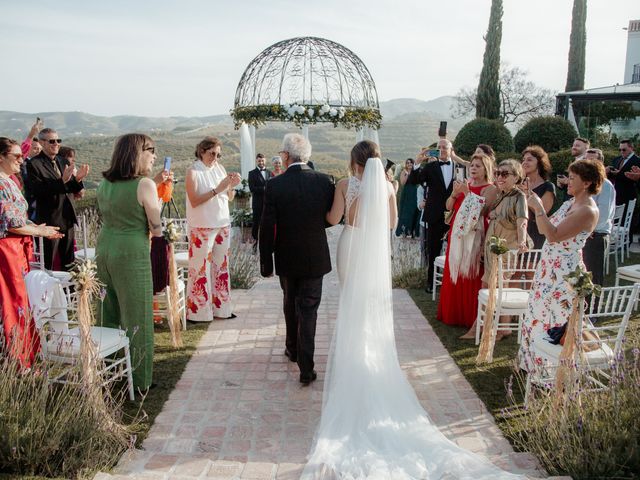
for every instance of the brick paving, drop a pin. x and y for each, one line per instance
(239, 412)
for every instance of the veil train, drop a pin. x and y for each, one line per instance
(372, 424)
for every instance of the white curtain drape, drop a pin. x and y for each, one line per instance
(247, 156)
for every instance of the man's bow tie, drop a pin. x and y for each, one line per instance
(445, 162)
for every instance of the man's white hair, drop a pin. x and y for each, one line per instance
(298, 147)
(448, 142)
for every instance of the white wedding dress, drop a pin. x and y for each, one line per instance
(372, 424)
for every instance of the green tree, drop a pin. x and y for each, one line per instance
(577, 47)
(488, 100)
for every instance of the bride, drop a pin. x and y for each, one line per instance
(372, 424)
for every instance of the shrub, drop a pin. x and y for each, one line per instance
(596, 434)
(483, 130)
(53, 429)
(243, 264)
(551, 133)
(406, 268)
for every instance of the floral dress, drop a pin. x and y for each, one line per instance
(550, 299)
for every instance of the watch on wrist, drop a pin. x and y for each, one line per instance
(213, 190)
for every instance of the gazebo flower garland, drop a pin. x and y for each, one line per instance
(348, 117)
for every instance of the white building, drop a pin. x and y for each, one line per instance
(632, 64)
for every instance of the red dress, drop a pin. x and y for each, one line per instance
(19, 334)
(458, 302)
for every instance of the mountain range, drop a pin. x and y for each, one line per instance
(70, 124)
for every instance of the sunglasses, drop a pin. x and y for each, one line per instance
(53, 141)
(215, 155)
(503, 173)
(623, 149)
(150, 149)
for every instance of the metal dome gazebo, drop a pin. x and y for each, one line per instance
(304, 80)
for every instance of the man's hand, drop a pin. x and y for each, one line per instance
(68, 172)
(35, 128)
(83, 171)
(422, 204)
(634, 174)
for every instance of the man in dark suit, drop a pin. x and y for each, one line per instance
(257, 180)
(624, 177)
(52, 179)
(293, 231)
(438, 177)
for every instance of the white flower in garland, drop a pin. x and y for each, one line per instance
(310, 112)
(341, 112)
(333, 111)
(301, 109)
(324, 109)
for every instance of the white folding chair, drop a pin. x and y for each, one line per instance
(38, 254)
(60, 337)
(162, 303)
(626, 229)
(616, 240)
(515, 269)
(614, 303)
(438, 274)
(181, 246)
(86, 252)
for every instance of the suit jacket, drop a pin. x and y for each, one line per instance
(53, 205)
(256, 186)
(626, 189)
(292, 228)
(430, 175)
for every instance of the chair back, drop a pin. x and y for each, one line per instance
(38, 254)
(518, 269)
(629, 215)
(617, 216)
(48, 303)
(611, 312)
(182, 244)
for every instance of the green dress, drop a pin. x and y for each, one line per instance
(124, 266)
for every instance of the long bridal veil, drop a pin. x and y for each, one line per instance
(372, 424)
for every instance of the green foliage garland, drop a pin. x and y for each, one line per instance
(348, 117)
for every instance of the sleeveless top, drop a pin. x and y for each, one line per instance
(125, 227)
(213, 213)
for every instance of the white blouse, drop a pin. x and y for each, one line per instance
(213, 213)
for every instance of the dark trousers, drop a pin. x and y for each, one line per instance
(301, 299)
(593, 255)
(593, 252)
(64, 247)
(435, 232)
(257, 215)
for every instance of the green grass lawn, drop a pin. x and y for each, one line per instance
(489, 380)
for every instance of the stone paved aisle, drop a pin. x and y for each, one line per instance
(239, 412)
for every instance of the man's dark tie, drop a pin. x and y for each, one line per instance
(445, 162)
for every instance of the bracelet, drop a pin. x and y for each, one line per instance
(213, 190)
(539, 214)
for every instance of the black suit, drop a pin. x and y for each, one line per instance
(626, 189)
(293, 230)
(435, 207)
(53, 205)
(257, 183)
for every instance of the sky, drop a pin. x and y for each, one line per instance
(164, 58)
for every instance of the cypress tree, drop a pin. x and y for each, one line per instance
(577, 47)
(488, 98)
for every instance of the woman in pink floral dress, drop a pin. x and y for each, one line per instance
(550, 300)
(209, 189)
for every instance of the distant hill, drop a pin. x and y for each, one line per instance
(69, 124)
(439, 108)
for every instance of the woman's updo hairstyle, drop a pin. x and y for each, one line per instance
(361, 152)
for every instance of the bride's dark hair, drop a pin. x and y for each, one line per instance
(361, 152)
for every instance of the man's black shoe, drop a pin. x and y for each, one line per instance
(307, 378)
(290, 356)
(429, 289)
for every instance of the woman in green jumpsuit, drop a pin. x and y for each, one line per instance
(128, 203)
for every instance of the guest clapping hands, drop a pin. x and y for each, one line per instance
(209, 189)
